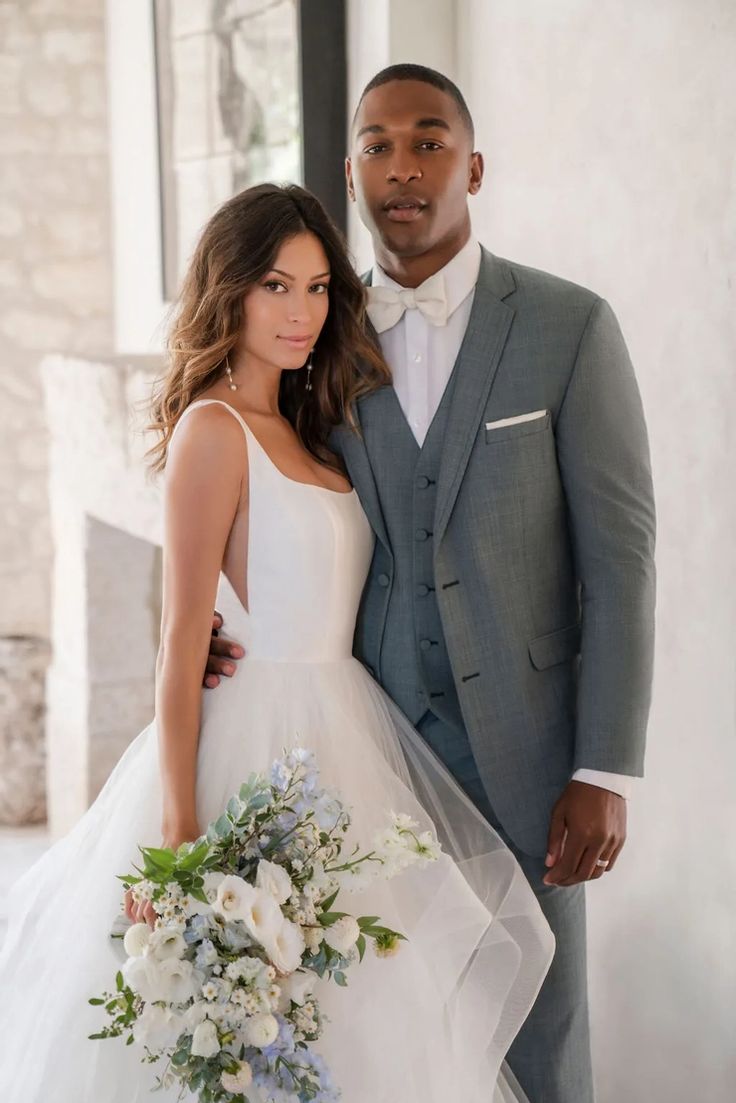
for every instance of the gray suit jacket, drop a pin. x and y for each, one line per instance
(549, 527)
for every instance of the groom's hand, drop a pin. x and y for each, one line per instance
(588, 825)
(222, 652)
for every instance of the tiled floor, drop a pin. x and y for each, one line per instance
(19, 848)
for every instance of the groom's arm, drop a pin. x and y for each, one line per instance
(603, 456)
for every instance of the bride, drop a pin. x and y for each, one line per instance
(267, 353)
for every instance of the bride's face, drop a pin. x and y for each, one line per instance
(285, 311)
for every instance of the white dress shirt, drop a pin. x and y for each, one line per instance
(421, 356)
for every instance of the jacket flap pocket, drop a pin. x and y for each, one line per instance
(555, 647)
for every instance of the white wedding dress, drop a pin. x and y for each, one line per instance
(430, 1025)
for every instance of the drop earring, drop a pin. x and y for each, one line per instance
(228, 369)
(309, 370)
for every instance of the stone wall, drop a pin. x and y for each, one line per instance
(55, 295)
(55, 261)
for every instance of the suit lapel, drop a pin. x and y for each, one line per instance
(476, 367)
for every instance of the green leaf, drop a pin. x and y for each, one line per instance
(96, 1001)
(119, 982)
(367, 921)
(327, 904)
(328, 918)
(360, 943)
(340, 978)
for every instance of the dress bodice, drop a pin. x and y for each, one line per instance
(309, 550)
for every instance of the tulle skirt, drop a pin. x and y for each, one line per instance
(429, 1025)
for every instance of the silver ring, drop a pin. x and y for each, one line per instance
(601, 863)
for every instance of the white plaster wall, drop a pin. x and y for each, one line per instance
(609, 130)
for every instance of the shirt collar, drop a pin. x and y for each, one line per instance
(460, 275)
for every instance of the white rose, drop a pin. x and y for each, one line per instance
(205, 1042)
(157, 1027)
(343, 934)
(274, 879)
(165, 943)
(136, 939)
(285, 949)
(237, 1081)
(297, 988)
(260, 1031)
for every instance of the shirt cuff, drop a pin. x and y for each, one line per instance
(622, 784)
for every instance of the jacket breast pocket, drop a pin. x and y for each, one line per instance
(499, 433)
(554, 647)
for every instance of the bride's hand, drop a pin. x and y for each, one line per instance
(181, 831)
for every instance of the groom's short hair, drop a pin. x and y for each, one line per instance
(409, 71)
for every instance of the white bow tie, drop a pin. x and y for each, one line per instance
(386, 305)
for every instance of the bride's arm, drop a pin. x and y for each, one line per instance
(204, 481)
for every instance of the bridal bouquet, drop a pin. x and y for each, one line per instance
(223, 987)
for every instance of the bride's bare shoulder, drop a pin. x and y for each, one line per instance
(207, 431)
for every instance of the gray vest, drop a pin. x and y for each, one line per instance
(418, 676)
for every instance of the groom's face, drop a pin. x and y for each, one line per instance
(411, 168)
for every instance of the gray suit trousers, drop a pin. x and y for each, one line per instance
(551, 1054)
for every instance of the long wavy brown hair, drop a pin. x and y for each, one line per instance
(237, 247)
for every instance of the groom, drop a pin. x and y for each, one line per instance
(509, 606)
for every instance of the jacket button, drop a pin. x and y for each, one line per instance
(422, 590)
(425, 644)
(422, 482)
(383, 580)
(421, 534)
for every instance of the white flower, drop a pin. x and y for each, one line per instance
(171, 980)
(166, 943)
(178, 981)
(274, 879)
(142, 975)
(205, 1042)
(157, 1027)
(209, 990)
(211, 883)
(237, 1081)
(136, 939)
(260, 1031)
(285, 949)
(236, 899)
(297, 988)
(343, 934)
(195, 1015)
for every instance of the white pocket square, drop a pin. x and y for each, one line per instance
(516, 420)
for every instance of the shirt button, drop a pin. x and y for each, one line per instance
(422, 590)
(422, 482)
(417, 358)
(422, 534)
(425, 644)
(383, 580)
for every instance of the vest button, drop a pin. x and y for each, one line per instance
(422, 482)
(425, 644)
(383, 580)
(422, 590)
(421, 534)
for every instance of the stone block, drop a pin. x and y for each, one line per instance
(23, 663)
